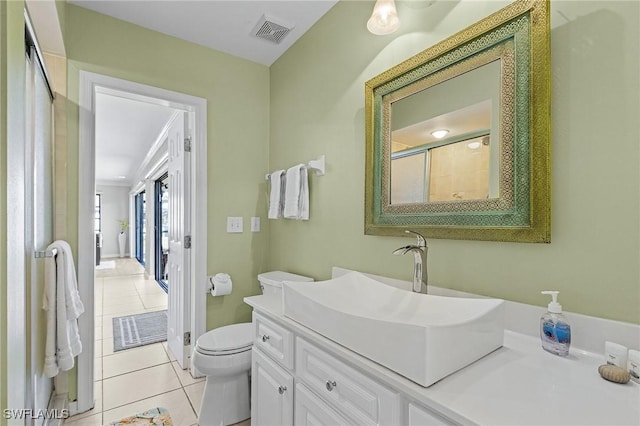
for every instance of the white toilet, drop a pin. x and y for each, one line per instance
(224, 356)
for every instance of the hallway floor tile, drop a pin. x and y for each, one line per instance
(135, 380)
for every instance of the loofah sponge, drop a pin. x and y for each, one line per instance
(613, 373)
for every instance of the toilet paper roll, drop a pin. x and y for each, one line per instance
(221, 284)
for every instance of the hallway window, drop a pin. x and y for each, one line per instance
(162, 230)
(97, 219)
(141, 223)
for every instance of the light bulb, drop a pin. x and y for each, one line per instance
(439, 134)
(384, 19)
(474, 145)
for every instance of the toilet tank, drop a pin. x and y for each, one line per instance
(271, 282)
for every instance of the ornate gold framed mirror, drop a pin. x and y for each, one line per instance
(458, 137)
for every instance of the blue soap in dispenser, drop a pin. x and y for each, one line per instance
(555, 331)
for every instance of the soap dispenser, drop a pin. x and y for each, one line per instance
(555, 331)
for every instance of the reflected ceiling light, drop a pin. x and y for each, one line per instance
(474, 145)
(439, 134)
(384, 19)
(121, 177)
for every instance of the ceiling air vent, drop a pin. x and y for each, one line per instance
(269, 30)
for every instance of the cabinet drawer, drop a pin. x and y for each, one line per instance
(357, 396)
(273, 340)
(311, 411)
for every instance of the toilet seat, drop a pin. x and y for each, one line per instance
(227, 340)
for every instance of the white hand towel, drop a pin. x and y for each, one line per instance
(49, 304)
(276, 196)
(63, 305)
(296, 200)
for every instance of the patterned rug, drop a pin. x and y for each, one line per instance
(138, 330)
(156, 416)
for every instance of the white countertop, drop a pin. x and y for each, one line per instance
(519, 384)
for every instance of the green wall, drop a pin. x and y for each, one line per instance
(237, 94)
(317, 107)
(14, 335)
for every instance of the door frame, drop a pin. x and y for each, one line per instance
(90, 84)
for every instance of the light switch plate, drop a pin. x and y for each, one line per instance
(255, 224)
(234, 224)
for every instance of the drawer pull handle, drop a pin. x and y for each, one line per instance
(330, 385)
(282, 389)
(265, 337)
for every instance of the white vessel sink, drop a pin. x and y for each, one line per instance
(419, 336)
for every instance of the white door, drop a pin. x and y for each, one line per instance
(179, 230)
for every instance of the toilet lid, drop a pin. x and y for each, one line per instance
(228, 338)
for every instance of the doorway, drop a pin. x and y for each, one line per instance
(193, 307)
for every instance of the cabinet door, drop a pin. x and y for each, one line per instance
(311, 411)
(271, 392)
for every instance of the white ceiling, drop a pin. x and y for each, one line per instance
(462, 121)
(223, 25)
(126, 129)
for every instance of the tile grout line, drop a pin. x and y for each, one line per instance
(181, 385)
(101, 414)
(136, 370)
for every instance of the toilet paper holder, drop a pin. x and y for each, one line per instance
(220, 279)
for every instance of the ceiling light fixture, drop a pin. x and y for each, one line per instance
(384, 19)
(439, 134)
(474, 145)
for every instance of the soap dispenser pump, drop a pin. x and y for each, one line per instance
(555, 331)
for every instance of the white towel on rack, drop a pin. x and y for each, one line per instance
(63, 305)
(296, 200)
(276, 196)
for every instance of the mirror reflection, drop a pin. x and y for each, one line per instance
(445, 139)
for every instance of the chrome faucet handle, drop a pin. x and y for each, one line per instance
(403, 250)
(422, 242)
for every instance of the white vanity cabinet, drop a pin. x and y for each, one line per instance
(302, 378)
(296, 382)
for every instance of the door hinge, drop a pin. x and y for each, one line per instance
(187, 338)
(187, 241)
(187, 144)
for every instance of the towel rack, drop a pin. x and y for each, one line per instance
(48, 253)
(317, 165)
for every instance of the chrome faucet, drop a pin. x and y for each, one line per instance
(419, 262)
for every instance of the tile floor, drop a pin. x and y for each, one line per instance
(135, 380)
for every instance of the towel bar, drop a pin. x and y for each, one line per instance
(317, 165)
(40, 254)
